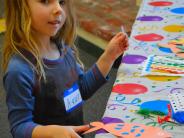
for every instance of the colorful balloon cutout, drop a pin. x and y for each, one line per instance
(163, 78)
(178, 10)
(108, 120)
(161, 3)
(130, 130)
(156, 105)
(129, 89)
(149, 37)
(150, 18)
(133, 59)
(174, 28)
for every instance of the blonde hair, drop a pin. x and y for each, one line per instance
(19, 34)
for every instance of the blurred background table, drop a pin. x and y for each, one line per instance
(99, 20)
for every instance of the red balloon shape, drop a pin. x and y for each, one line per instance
(149, 37)
(161, 3)
(129, 89)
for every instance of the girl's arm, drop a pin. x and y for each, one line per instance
(116, 47)
(95, 77)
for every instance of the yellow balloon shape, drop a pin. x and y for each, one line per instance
(163, 78)
(174, 28)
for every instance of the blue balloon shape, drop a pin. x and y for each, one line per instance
(178, 10)
(157, 105)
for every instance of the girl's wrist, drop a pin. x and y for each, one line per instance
(108, 57)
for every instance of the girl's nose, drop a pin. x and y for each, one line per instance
(57, 9)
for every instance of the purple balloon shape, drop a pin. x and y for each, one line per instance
(133, 59)
(150, 18)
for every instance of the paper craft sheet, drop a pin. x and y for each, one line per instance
(163, 65)
(128, 130)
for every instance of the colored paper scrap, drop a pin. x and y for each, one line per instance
(176, 46)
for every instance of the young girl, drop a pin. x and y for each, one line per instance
(43, 76)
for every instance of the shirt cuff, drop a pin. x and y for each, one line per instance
(29, 130)
(98, 74)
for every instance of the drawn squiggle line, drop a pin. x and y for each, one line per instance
(176, 90)
(114, 107)
(160, 90)
(136, 48)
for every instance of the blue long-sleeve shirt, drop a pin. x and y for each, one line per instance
(31, 103)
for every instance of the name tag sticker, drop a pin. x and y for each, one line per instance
(72, 98)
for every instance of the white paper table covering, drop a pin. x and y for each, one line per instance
(130, 73)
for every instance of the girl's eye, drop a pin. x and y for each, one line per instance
(45, 1)
(62, 2)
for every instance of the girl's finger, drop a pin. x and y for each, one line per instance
(121, 39)
(120, 34)
(80, 129)
(76, 136)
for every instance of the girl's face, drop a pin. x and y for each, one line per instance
(47, 16)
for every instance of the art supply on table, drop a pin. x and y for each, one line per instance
(180, 47)
(178, 41)
(165, 118)
(155, 114)
(177, 103)
(123, 30)
(175, 46)
(163, 65)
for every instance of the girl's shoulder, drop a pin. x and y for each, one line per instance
(19, 71)
(19, 64)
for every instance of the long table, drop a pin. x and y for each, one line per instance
(156, 22)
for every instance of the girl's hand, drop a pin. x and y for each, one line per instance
(117, 45)
(75, 130)
(56, 131)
